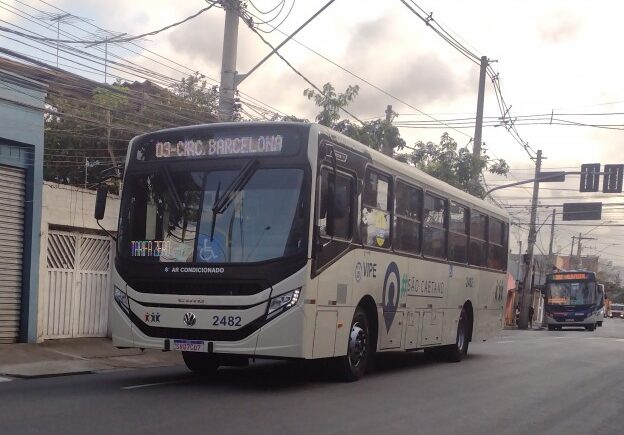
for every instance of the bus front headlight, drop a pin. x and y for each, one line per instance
(283, 302)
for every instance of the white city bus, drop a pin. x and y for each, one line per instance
(289, 240)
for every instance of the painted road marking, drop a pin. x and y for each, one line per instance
(155, 384)
(5, 379)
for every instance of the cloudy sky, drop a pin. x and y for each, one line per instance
(560, 57)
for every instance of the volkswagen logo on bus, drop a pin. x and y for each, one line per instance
(190, 319)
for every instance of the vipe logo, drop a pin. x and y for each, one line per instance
(358, 271)
(390, 301)
(153, 317)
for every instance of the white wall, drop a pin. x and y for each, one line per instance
(73, 208)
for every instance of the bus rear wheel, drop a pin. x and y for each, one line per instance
(458, 351)
(201, 363)
(354, 364)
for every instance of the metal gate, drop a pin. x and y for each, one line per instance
(12, 189)
(77, 287)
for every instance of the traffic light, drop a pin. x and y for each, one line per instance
(612, 182)
(590, 177)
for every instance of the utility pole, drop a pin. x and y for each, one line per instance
(527, 288)
(579, 262)
(386, 147)
(476, 149)
(227, 88)
(552, 239)
(519, 258)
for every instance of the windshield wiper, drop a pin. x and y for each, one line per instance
(181, 207)
(214, 212)
(237, 184)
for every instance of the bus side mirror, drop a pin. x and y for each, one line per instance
(100, 201)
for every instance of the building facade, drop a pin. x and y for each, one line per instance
(21, 179)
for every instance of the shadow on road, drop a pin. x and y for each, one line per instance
(272, 376)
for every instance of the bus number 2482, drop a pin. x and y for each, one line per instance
(226, 320)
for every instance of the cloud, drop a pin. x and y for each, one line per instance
(422, 78)
(559, 26)
(202, 39)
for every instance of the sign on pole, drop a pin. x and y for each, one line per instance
(582, 211)
(613, 175)
(590, 177)
(552, 177)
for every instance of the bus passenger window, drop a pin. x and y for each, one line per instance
(408, 201)
(497, 247)
(376, 210)
(435, 220)
(458, 233)
(477, 253)
(335, 219)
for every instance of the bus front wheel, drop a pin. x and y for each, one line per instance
(591, 327)
(201, 363)
(354, 364)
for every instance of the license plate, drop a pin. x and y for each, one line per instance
(569, 320)
(189, 345)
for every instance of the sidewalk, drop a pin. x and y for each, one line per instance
(75, 356)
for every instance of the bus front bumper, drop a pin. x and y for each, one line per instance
(281, 337)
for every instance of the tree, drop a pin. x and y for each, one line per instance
(370, 133)
(89, 128)
(330, 102)
(454, 165)
(613, 286)
(445, 161)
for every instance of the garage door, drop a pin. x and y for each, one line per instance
(12, 184)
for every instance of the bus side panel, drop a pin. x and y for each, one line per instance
(426, 285)
(335, 301)
(489, 307)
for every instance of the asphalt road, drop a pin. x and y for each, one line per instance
(522, 382)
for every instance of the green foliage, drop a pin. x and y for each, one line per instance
(445, 161)
(613, 287)
(372, 133)
(85, 120)
(331, 102)
(454, 165)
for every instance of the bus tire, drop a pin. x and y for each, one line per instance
(591, 327)
(201, 363)
(551, 327)
(353, 365)
(458, 351)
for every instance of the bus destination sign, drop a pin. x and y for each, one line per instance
(568, 276)
(217, 146)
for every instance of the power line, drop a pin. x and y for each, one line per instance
(369, 83)
(133, 43)
(105, 40)
(300, 74)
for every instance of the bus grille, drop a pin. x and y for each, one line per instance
(199, 288)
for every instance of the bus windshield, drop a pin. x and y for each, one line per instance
(572, 293)
(220, 216)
